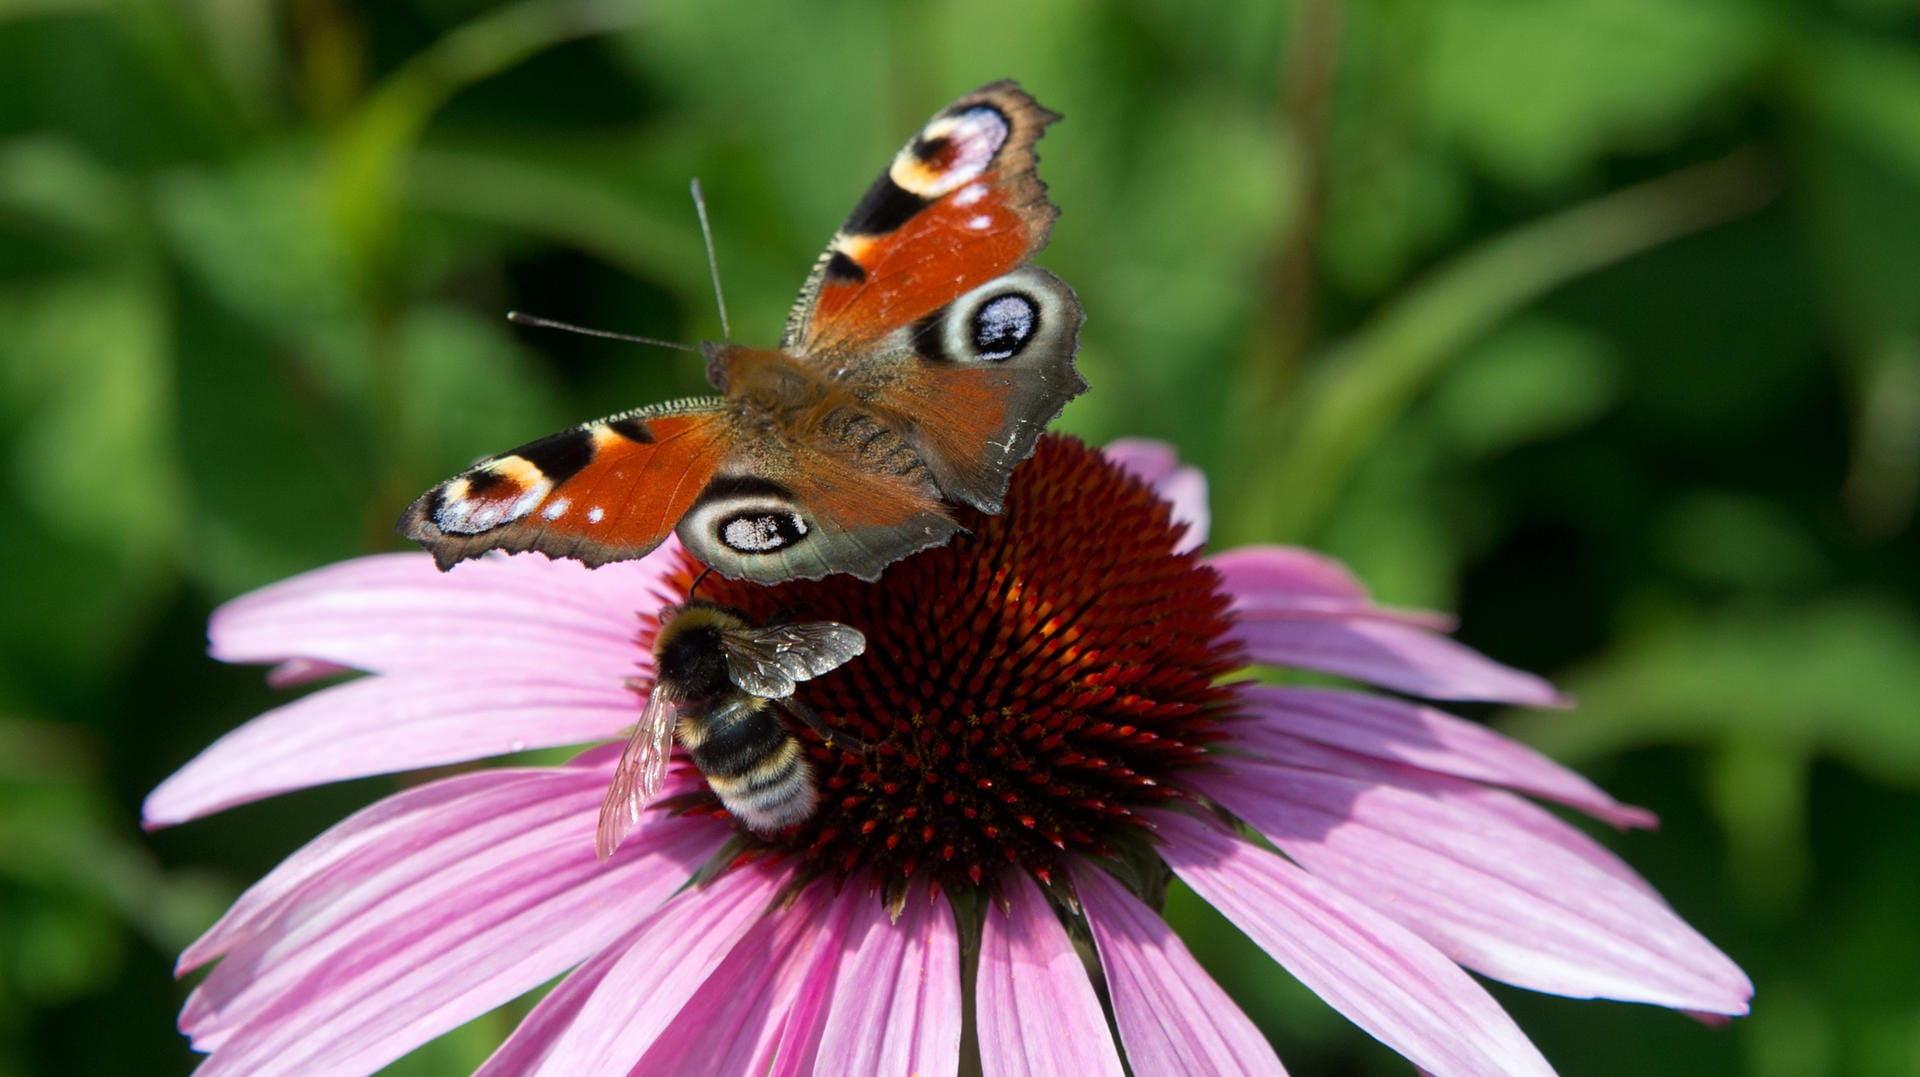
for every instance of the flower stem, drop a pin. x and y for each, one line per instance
(1354, 391)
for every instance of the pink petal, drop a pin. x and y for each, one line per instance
(1290, 582)
(380, 950)
(677, 949)
(1381, 976)
(1172, 1017)
(1493, 896)
(1403, 732)
(806, 1023)
(738, 1018)
(1291, 751)
(397, 612)
(437, 817)
(526, 1049)
(1184, 488)
(295, 672)
(1258, 573)
(895, 1005)
(384, 724)
(1306, 608)
(1396, 656)
(1037, 1011)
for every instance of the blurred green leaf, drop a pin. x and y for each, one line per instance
(1373, 376)
(1393, 191)
(366, 161)
(256, 234)
(53, 184)
(69, 877)
(1860, 161)
(1835, 677)
(482, 389)
(1532, 379)
(1733, 540)
(1536, 91)
(95, 458)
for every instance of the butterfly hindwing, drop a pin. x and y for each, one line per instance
(603, 491)
(975, 382)
(780, 512)
(959, 205)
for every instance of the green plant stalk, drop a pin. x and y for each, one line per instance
(1353, 392)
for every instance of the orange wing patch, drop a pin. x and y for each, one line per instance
(602, 491)
(960, 205)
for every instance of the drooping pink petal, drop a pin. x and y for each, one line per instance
(396, 612)
(1172, 1017)
(379, 952)
(895, 1003)
(1397, 656)
(1037, 1011)
(1268, 573)
(1494, 897)
(385, 724)
(1184, 488)
(1277, 747)
(675, 951)
(1285, 582)
(1428, 738)
(1380, 975)
(744, 1011)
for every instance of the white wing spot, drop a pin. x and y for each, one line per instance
(464, 514)
(557, 509)
(973, 193)
(762, 534)
(596, 514)
(980, 223)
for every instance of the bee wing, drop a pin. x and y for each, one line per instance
(768, 662)
(636, 778)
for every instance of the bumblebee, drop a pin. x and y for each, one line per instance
(717, 678)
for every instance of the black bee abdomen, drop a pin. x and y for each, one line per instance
(754, 765)
(737, 738)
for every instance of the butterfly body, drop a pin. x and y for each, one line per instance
(920, 363)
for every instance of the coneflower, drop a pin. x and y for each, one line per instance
(1054, 728)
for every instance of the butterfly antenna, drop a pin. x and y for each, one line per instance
(704, 569)
(713, 263)
(522, 318)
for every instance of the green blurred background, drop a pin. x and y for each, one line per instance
(1596, 320)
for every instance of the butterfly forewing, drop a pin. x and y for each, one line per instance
(603, 491)
(959, 205)
(637, 777)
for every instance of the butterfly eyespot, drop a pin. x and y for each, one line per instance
(761, 532)
(1003, 325)
(950, 152)
(498, 493)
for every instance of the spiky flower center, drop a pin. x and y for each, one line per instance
(1025, 691)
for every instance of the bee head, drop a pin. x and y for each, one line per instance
(687, 654)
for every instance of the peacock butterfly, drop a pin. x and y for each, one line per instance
(920, 363)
